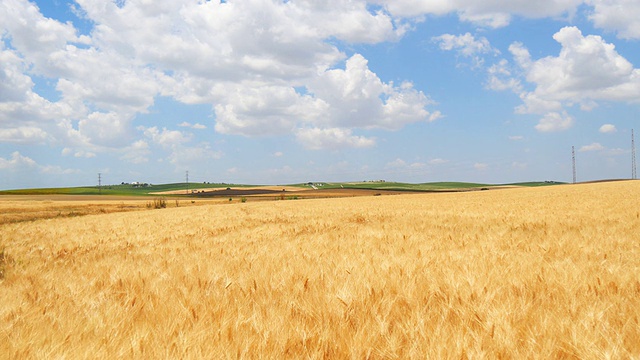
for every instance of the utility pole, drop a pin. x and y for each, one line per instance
(187, 182)
(634, 175)
(100, 183)
(573, 159)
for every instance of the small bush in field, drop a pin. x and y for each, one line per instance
(158, 203)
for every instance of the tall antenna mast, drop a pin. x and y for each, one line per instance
(573, 159)
(634, 175)
(100, 183)
(187, 182)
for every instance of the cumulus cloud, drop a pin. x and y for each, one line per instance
(166, 138)
(592, 147)
(466, 45)
(196, 126)
(23, 134)
(397, 163)
(486, 13)
(586, 71)
(136, 153)
(16, 160)
(187, 155)
(254, 66)
(356, 97)
(19, 162)
(553, 122)
(266, 110)
(619, 15)
(331, 138)
(608, 129)
(501, 77)
(262, 78)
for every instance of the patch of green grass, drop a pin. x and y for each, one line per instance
(537, 183)
(432, 186)
(133, 190)
(121, 190)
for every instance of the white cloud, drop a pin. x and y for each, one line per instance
(516, 137)
(255, 63)
(357, 98)
(614, 15)
(23, 134)
(493, 13)
(397, 163)
(14, 83)
(84, 154)
(617, 15)
(500, 77)
(183, 156)
(608, 129)
(137, 153)
(196, 126)
(278, 154)
(108, 129)
(553, 122)
(586, 71)
(592, 147)
(166, 138)
(78, 153)
(438, 161)
(58, 170)
(34, 35)
(17, 160)
(254, 110)
(466, 45)
(331, 139)
(518, 165)
(262, 78)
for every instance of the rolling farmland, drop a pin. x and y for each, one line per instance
(545, 272)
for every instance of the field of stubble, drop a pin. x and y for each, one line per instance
(532, 273)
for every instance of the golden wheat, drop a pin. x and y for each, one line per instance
(521, 273)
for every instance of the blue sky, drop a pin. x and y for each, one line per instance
(276, 92)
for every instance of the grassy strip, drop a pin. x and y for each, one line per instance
(132, 190)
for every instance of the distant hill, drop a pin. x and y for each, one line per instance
(152, 189)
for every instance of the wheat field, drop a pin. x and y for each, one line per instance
(528, 273)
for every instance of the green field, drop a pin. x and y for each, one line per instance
(432, 186)
(133, 190)
(121, 190)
